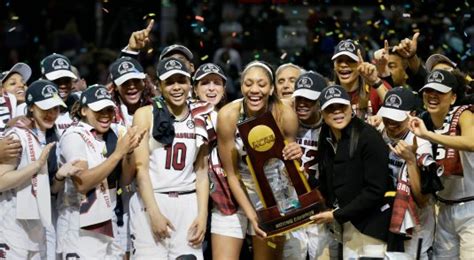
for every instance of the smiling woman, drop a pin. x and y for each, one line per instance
(171, 172)
(354, 177)
(25, 181)
(259, 94)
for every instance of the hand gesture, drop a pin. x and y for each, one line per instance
(44, 154)
(196, 232)
(374, 121)
(9, 148)
(292, 151)
(160, 226)
(381, 60)
(139, 39)
(69, 169)
(129, 141)
(405, 151)
(367, 70)
(417, 126)
(407, 47)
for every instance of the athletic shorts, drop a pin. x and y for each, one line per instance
(236, 225)
(181, 211)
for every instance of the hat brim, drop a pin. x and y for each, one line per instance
(132, 75)
(435, 59)
(49, 103)
(347, 53)
(436, 86)
(341, 101)
(393, 114)
(172, 72)
(101, 104)
(21, 68)
(307, 93)
(208, 73)
(54, 75)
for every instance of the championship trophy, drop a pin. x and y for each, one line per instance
(264, 142)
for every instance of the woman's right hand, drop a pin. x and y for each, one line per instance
(258, 231)
(129, 141)
(44, 155)
(160, 225)
(69, 169)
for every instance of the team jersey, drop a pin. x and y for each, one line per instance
(63, 122)
(7, 111)
(455, 188)
(307, 138)
(26, 208)
(172, 166)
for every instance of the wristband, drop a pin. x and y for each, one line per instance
(56, 178)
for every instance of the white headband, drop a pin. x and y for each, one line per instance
(259, 64)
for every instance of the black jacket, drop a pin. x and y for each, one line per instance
(357, 184)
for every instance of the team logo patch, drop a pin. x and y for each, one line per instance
(210, 68)
(190, 124)
(173, 64)
(126, 67)
(60, 63)
(48, 91)
(347, 46)
(393, 101)
(102, 93)
(332, 93)
(305, 82)
(436, 77)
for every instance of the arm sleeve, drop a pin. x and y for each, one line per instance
(72, 147)
(417, 80)
(374, 154)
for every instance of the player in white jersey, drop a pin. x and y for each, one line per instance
(259, 94)
(413, 215)
(450, 129)
(227, 233)
(25, 181)
(311, 239)
(14, 81)
(168, 215)
(130, 92)
(87, 227)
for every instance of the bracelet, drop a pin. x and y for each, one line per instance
(56, 178)
(377, 84)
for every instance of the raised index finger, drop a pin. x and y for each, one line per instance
(359, 54)
(385, 46)
(150, 26)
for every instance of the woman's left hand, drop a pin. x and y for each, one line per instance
(292, 151)
(323, 217)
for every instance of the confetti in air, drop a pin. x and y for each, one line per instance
(12, 29)
(204, 57)
(199, 18)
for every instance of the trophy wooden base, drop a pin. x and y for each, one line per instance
(273, 223)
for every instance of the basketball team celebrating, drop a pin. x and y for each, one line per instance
(134, 170)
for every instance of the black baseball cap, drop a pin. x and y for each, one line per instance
(348, 48)
(44, 94)
(21, 68)
(309, 85)
(57, 66)
(397, 103)
(96, 97)
(436, 59)
(440, 80)
(169, 50)
(334, 94)
(206, 69)
(170, 66)
(126, 68)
